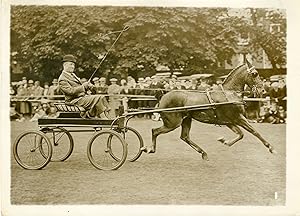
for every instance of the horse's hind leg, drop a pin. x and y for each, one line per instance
(158, 131)
(244, 123)
(185, 136)
(236, 130)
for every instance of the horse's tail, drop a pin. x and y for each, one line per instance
(159, 93)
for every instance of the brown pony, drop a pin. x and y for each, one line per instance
(231, 115)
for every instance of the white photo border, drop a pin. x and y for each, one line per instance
(293, 150)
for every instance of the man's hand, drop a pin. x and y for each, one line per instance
(87, 85)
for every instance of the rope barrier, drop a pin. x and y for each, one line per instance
(134, 97)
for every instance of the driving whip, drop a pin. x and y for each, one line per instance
(124, 29)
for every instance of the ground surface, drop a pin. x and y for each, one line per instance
(244, 174)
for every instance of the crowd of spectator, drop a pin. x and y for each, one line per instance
(274, 109)
(33, 101)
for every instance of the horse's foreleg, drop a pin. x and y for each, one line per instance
(245, 124)
(185, 136)
(236, 130)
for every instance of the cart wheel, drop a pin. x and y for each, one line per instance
(134, 143)
(62, 143)
(101, 146)
(27, 150)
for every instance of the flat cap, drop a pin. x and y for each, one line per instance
(95, 79)
(113, 80)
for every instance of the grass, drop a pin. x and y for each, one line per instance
(244, 174)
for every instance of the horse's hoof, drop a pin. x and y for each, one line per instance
(150, 151)
(147, 150)
(204, 156)
(222, 140)
(272, 150)
(144, 149)
(228, 143)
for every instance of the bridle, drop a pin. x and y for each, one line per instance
(254, 86)
(249, 70)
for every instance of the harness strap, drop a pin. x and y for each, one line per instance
(211, 101)
(224, 92)
(249, 70)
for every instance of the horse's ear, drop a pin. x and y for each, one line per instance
(247, 62)
(251, 68)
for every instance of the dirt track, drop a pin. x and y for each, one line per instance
(245, 174)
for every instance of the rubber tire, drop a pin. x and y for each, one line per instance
(111, 134)
(141, 143)
(71, 144)
(17, 158)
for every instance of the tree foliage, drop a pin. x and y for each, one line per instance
(188, 38)
(272, 42)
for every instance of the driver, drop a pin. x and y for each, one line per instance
(76, 92)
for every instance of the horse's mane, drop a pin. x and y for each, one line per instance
(232, 72)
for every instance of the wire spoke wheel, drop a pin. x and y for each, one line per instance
(27, 150)
(102, 146)
(134, 143)
(62, 143)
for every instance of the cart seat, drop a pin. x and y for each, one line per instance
(69, 111)
(62, 107)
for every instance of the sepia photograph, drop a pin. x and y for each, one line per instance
(146, 105)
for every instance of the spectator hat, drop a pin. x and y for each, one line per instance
(113, 80)
(69, 58)
(95, 79)
(30, 82)
(55, 81)
(140, 79)
(102, 79)
(44, 101)
(275, 84)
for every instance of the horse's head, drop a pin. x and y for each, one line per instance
(253, 79)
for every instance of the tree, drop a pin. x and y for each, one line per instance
(194, 39)
(272, 42)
